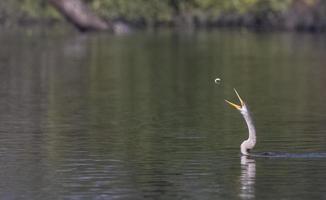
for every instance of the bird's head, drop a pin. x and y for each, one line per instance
(242, 107)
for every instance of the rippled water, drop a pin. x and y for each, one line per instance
(139, 116)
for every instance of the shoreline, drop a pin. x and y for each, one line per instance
(294, 16)
(299, 17)
(239, 24)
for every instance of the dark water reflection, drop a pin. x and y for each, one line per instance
(139, 116)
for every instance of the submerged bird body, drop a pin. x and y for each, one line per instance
(250, 143)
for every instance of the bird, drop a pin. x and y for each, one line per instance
(247, 145)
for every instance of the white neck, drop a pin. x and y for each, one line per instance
(251, 141)
(251, 128)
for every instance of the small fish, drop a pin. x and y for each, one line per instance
(217, 80)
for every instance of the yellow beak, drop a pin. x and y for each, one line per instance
(235, 105)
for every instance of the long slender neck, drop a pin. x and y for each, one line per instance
(251, 141)
(251, 128)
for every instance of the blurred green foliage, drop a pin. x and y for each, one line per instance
(164, 10)
(151, 11)
(161, 10)
(24, 10)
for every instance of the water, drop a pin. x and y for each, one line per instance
(139, 116)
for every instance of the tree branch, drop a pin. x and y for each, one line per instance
(77, 13)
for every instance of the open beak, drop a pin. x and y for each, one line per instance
(235, 105)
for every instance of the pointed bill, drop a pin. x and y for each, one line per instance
(233, 104)
(241, 101)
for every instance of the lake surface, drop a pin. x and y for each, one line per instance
(139, 116)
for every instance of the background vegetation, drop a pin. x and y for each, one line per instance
(291, 14)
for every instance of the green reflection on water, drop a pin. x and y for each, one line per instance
(140, 115)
